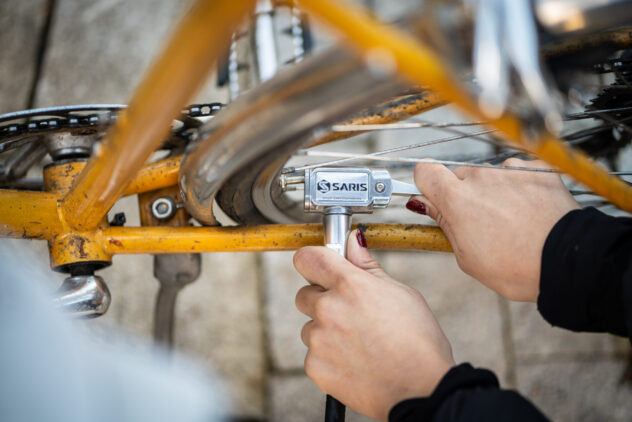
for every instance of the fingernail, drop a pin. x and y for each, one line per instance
(361, 238)
(417, 206)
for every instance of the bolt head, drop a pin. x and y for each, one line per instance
(379, 187)
(163, 208)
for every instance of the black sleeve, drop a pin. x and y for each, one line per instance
(467, 394)
(586, 278)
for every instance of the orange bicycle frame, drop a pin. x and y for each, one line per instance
(71, 213)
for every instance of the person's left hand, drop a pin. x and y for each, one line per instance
(372, 341)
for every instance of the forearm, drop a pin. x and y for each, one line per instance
(586, 276)
(465, 394)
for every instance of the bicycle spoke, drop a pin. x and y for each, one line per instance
(372, 157)
(390, 150)
(396, 126)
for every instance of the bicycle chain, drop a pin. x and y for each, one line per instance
(86, 120)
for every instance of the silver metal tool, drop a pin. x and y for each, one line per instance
(337, 225)
(337, 193)
(359, 189)
(340, 192)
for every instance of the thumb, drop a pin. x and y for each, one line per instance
(358, 255)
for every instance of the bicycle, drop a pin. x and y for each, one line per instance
(82, 242)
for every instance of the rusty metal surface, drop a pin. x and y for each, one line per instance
(66, 245)
(155, 240)
(59, 177)
(156, 175)
(69, 248)
(619, 39)
(180, 217)
(398, 109)
(28, 215)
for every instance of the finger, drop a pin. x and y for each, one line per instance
(462, 172)
(358, 255)
(433, 180)
(306, 298)
(322, 266)
(517, 162)
(317, 370)
(306, 332)
(421, 205)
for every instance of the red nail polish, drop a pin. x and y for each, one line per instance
(417, 206)
(361, 238)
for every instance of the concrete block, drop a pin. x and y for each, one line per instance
(284, 321)
(21, 22)
(577, 391)
(296, 398)
(99, 51)
(536, 339)
(218, 323)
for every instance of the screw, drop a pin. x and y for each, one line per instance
(379, 187)
(286, 180)
(163, 208)
(118, 220)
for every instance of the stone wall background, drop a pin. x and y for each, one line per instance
(239, 317)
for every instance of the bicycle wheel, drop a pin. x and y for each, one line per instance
(248, 159)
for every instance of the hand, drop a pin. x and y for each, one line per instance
(496, 220)
(372, 341)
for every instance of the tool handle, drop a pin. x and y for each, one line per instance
(337, 225)
(334, 410)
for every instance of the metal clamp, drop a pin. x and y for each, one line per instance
(361, 190)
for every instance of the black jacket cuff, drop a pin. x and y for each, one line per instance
(460, 377)
(585, 262)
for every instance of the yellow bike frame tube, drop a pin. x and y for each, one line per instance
(29, 215)
(421, 65)
(159, 240)
(392, 111)
(180, 70)
(157, 175)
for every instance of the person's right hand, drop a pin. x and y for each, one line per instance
(496, 220)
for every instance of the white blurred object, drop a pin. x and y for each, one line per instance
(52, 372)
